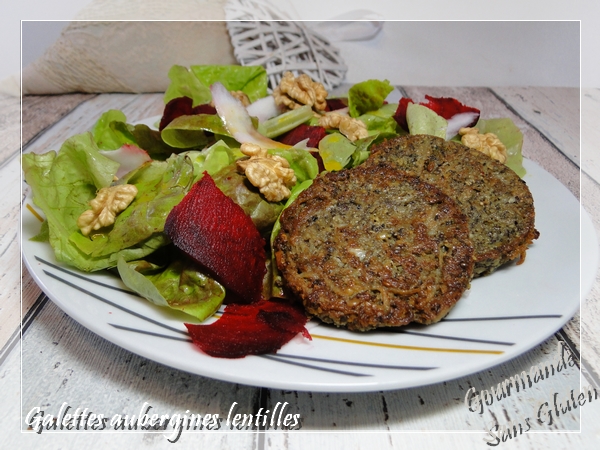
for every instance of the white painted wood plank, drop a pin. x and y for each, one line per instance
(552, 111)
(590, 132)
(84, 117)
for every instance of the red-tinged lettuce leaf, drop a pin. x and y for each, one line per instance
(448, 107)
(182, 106)
(314, 134)
(400, 116)
(255, 329)
(213, 230)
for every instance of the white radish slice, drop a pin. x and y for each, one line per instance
(237, 120)
(263, 108)
(458, 121)
(129, 157)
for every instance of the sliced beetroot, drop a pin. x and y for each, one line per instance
(182, 106)
(314, 134)
(334, 104)
(255, 329)
(448, 107)
(400, 116)
(213, 230)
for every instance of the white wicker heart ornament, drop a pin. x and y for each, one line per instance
(262, 35)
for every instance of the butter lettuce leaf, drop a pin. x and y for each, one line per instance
(422, 120)
(304, 165)
(63, 183)
(512, 138)
(195, 82)
(179, 283)
(367, 96)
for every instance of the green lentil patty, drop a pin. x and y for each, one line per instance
(373, 247)
(497, 203)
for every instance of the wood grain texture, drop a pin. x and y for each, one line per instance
(41, 111)
(590, 139)
(554, 112)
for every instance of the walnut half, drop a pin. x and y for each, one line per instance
(353, 129)
(487, 143)
(109, 202)
(294, 92)
(271, 174)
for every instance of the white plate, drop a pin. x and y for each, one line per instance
(502, 316)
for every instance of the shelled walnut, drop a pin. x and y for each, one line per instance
(353, 129)
(109, 202)
(294, 92)
(487, 143)
(271, 174)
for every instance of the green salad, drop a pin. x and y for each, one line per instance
(163, 164)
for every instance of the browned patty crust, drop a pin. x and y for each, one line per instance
(372, 247)
(497, 203)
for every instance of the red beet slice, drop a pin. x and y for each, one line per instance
(314, 134)
(336, 103)
(182, 106)
(448, 107)
(213, 230)
(255, 329)
(400, 116)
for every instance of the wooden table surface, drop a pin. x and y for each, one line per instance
(46, 358)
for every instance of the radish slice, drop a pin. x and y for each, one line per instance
(237, 120)
(458, 121)
(129, 157)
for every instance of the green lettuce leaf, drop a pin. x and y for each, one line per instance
(304, 164)
(381, 121)
(285, 122)
(236, 186)
(367, 96)
(161, 185)
(336, 150)
(195, 82)
(422, 120)
(62, 184)
(512, 138)
(108, 136)
(180, 284)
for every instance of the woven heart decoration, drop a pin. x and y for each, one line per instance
(262, 35)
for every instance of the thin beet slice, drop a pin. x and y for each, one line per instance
(400, 115)
(314, 134)
(213, 230)
(255, 329)
(334, 104)
(447, 107)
